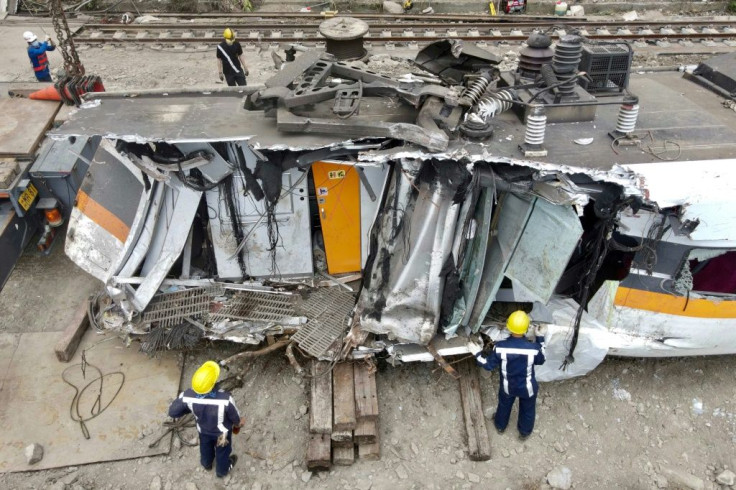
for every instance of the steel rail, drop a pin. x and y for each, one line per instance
(400, 39)
(416, 25)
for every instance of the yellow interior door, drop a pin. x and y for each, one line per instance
(337, 188)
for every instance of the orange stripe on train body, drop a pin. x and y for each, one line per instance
(102, 216)
(674, 305)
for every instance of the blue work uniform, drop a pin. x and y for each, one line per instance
(40, 60)
(517, 357)
(215, 413)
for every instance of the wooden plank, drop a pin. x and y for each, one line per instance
(343, 456)
(479, 443)
(318, 452)
(342, 436)
(67, 344)
(371, 452)
(343, 393)
(365, 432)
(366, 396)
(320, 413)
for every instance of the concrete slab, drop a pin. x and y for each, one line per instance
(23, 125)
(35, 401)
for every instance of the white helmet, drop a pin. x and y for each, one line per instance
(29, 36)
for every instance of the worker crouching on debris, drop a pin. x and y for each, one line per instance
(216, 416)
(37, 53)
(230, 64)
(517, 357)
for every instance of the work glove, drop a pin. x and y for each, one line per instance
(541, 330)
(474, 348)
(222, 77)
(222, 440)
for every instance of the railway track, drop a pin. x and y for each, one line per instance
(388, 29)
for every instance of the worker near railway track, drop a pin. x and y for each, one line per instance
(517, 357)
(37, 53)
(216, 416)
(230, 64)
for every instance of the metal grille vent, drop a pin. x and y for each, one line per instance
(169, 309)
(255, 306)
(327, 310)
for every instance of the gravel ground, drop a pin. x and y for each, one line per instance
(631, 423)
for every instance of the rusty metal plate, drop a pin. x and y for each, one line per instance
(23, 125)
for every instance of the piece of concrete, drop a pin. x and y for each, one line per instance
(392, 8)
(34, 453)
(560, 477)
(682, 478)
(727, 478)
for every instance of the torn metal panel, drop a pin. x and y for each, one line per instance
(413, 237)
(372, 189)
(432, 140)
(452, 59)
(512, 213)
(544, 250)
(175, 220)
(292, 256)
(216, 168)
(143, 235)
(110, 203)
(709, 198)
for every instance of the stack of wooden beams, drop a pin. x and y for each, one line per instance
(343, 420)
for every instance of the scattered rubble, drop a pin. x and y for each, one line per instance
(727, 478)
(679, 477)
(34, 453)
(560, 477)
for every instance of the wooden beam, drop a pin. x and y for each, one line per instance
(365, 432)
(343, 456)
(479, 443)
(342, 436)
(72, 335)
(320, 412)
(366, 396)
(318, 452)
(343, 393)
(371, 452)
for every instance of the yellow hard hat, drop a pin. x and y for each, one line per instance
(228, 34)
(205, 377)
(518, 322)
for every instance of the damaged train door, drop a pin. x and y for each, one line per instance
(347, 198)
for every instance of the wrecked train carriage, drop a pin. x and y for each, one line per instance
(457, 201)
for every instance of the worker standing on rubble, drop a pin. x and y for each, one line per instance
(230, 64)
(216, 416)
(517, 357)
(37, 53)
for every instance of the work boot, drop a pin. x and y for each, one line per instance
(233, 460)
(500, 431)
(523, 437)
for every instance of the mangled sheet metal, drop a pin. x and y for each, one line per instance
(414, 233)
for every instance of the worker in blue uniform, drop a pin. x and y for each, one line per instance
(517, 357)
(37, 53)
(216, 416)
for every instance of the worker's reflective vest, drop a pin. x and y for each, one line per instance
(517, 357)
(39, 58)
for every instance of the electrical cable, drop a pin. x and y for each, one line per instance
(97, 408)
